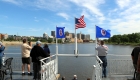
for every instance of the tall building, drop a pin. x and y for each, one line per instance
(78, 36)
(73, 35)
(83, 36)
(45, 36)
(87, 36)
(53, 33)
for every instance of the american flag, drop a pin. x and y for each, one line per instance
(79, 23)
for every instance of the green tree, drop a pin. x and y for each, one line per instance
(59, 40)
(50, 40)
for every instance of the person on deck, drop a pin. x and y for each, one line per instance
(75, 77)
(46, 49)
(1, 53)
(138, 68)
(25, 51)
(134, 55)
(102, 53)
(88, 78)
(36, 52)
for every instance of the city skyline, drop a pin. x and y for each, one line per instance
(52, 34)
(34, 17)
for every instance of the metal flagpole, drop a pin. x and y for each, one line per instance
(75, 42)
(95, 40)
(97, 51)
(56, 53)
(95, 36)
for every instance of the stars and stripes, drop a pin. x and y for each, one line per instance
(80, 23)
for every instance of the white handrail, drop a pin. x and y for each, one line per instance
(50, 67)
(94, 71)
(97, 69)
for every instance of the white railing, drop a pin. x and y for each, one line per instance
(98, 69)
(49, 68)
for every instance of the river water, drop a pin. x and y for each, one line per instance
(81, 66)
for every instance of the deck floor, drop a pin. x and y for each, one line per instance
(17, 76)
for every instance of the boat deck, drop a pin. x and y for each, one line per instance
(17, 76)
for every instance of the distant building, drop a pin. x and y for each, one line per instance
(53, 33)
(0, 36)
(5, 36)
(45, 36)
(10, 36)
(83, 36)
(73, 35)
(32, 37)
(70, 35)
(87, 36)
(78, 36)
(51, 37)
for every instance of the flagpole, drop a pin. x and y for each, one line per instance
(95, 37)
(95, 41)
(75, 42)
(56, 53)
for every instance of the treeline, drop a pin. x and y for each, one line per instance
(49, 40)
(125, 39)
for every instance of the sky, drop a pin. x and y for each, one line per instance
(34, 17)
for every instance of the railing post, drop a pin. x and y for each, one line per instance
(41, 71)
(50, 72)
(94, 73)
(101, 70)
(56, 57)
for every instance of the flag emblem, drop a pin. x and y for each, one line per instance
(103, 32)
(60, 32)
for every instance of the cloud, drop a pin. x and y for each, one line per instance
(92, 8)
(51, 5)
(123, 3)
(132, 10)
(127, 27)
(86, 15)
(16, 2)
(125, 18)
(41, 4)
(64, 15)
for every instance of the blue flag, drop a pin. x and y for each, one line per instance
(102, 33)
(60, 32)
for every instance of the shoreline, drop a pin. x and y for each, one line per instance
(125, 44)
(20, 43)
(11, 43)
(16, 43)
